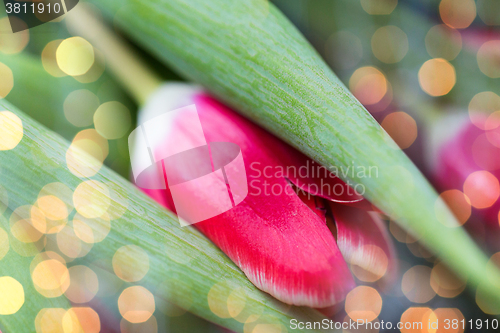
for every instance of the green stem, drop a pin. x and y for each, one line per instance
(121, 59)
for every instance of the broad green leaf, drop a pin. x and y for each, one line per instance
(250, 56)
(181, 266)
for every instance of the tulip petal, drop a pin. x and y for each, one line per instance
(365, 243)
(281, 243)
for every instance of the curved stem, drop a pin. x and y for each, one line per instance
(121, 59)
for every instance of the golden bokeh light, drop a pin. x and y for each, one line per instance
(149, 326)
(445, 283)
(453, 316)
(368, 84)
(443, 42)
(91, 230)
(389, 44)
(49, 60)
(12, 295)
(75, 56)
(53, 207)
(130, 263)
(27, 249)
(84, 158)
(374, 268)
(136, 304)
(4, 243)
(50, 321)
(363, 303)
(51, 278)
(218, 299)
(12, 43)
(91, 199)
(27, 224)
(457, 14)
(483, 103)
(69, 244)
(24, 231)
(112, 120)
(401, 127)
(81, 320)
(415, 320)
(458, 203)
(416, 284)
(11, 127)
(80, 106)
(482, 188)
(379, 7)
(6, 85)
(437, 77)
(83, 284)
(95, 72)
(488, 58)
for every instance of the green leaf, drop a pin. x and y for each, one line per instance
(250, 56)
(180, 259)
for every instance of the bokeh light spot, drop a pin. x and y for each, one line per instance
(482, 188)
(11, 127)
(81, 320)
(50, 321)
(136, 304)
(415, 320)
(51, 278)
(458, 203)
(53, 207)
(445, 283)
(443, 42)
(401, 127)
(6, 84)
(130, 263)
(437, 77)
(416, 284)
(91, 199)
(488, 58)
(481, 106)
(80, 106)
(379, 7)
(12, 43)
(83, 284)
(49, 60)
(368, 84)
(457, 14)
(91, 230)
(369, 263)
(389, 44)
(75, 56)
(112, 120)
(12, 298)
(363, 303)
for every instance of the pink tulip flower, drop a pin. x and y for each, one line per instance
(300, 230)
(469, 161)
